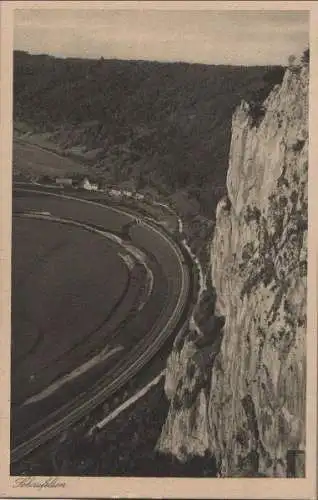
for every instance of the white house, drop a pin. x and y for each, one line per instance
(86, 184)
(128, 194)
(139, 196)
(62, 181)
(115, 192)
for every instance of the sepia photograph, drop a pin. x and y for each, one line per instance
(159, 244)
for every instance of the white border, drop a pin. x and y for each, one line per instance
(154, 487)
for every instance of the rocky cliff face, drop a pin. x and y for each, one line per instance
(238, 390)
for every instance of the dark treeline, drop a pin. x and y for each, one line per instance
(165, 124)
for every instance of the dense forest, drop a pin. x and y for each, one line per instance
(166, 125)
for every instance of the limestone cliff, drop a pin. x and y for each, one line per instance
(238, 390)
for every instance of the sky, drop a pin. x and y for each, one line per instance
(202, 36)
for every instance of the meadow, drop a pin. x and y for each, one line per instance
(73, 299)
(66, 282)
(32, 161)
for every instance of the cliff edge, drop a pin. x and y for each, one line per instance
(237, 390)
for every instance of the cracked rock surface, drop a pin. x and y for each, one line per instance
(239, 393)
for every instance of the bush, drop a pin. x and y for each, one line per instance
(291, 60)
(305, 56)
(252, 213)
(298, 146)
(257, 113)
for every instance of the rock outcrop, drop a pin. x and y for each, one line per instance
(239, 391)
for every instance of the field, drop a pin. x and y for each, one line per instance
(32, 160)
(75, 300)
(66, 282)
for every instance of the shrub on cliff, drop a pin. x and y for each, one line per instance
(306, 56)
(257, 113)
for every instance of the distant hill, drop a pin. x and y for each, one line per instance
(163, 124)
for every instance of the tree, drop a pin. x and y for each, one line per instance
(305, 56)
(291, 60)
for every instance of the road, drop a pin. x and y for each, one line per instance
(169, 321)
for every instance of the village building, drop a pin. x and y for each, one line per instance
(128, 193)
(89, 186)
(115, 193)
(63, 182)
(139, 196)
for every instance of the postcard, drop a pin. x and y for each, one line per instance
(158, 249)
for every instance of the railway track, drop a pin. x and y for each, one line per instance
(139, 356)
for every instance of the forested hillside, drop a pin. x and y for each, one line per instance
(163, 124)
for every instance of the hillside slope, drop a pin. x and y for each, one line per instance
(163, 124)
(238, 392)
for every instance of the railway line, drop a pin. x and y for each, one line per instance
(133, 362)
